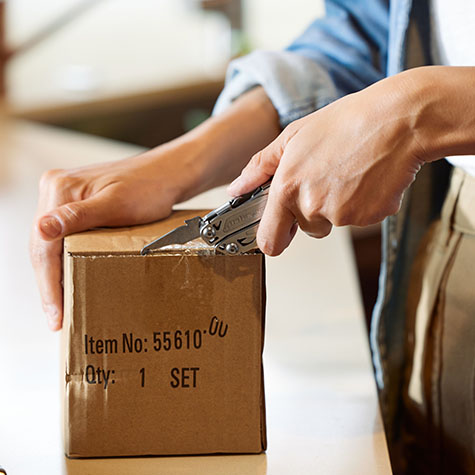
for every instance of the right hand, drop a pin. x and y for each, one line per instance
(135, 190)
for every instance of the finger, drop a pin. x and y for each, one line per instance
(46, 258)
(307, 209)
(293, 230)
(46, 246)
(315, 226)
(317, 229)
(260, 168)
(100, 210)
(277, 227)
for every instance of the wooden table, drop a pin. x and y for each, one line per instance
(322, 408)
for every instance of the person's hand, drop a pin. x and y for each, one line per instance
(348, 163)
(126, 192)
(143, 188)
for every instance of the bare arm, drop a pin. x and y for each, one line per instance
(143, 188)
(443, 108)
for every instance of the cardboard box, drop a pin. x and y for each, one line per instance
(162, 353)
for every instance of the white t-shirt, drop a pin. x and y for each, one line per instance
(453, 44)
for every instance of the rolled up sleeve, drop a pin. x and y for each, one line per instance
(340, 53)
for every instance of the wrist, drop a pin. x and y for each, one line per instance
(215, 152)
(442, 115)
(225, 143)
(178, 166)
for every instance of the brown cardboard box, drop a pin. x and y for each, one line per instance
(162, 353)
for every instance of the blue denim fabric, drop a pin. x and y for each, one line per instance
(341, 53)
(295, 84)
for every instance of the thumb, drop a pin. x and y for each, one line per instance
(77, 216)
(260, 168)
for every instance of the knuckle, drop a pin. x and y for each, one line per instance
(64, 182)
(266, 160)
(310, 210)
(284, 189)
(72, 213)
(291, 128)
(257, 159)
(49, 177)
(57, 180)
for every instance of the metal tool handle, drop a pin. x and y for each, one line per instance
(242, 241)
(232, 228)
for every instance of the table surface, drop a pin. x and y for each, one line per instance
(322, 408)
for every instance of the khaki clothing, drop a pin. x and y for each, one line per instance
(439, 386)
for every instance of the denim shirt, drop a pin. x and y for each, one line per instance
(357, 43)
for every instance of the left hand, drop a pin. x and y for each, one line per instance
(348, 163)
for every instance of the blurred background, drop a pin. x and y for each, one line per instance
(143, 71)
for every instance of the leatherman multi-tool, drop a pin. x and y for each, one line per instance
(230, 229)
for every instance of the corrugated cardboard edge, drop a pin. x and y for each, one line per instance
(263, 317)
(65, 341)
(129, 239)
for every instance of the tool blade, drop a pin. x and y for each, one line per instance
(189, 231)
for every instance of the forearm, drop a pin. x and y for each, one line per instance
(216, 151)
(143, 188)
(443, 119)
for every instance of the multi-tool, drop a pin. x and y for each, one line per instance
(230, 229)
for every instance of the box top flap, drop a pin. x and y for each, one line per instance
(130, 240)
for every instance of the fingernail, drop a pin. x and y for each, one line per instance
(50, 226)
